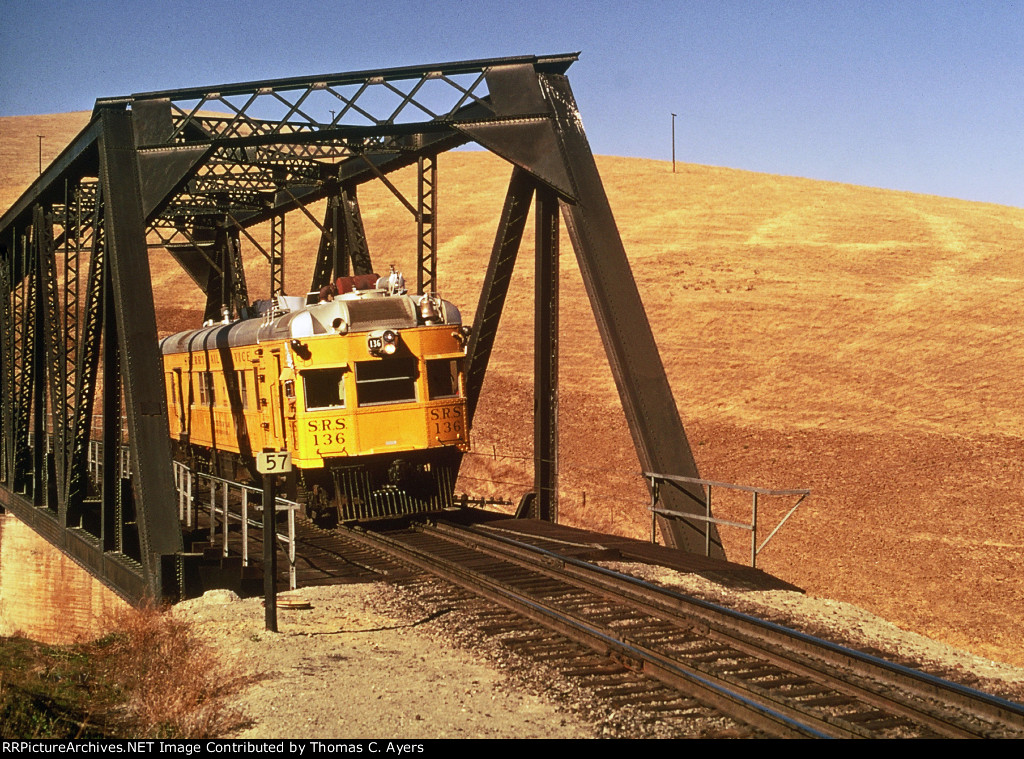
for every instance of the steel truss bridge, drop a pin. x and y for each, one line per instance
(193, 172)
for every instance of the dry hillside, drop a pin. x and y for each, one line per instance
(854, 341)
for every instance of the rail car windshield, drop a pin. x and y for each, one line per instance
(443, 378)
(389, 381)
(325, 388)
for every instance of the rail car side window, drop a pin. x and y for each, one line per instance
(443, 378)
(390, 381)
(243, 389)
(172, 392)
(206, 394)
(325, 388)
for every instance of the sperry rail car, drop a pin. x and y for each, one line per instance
(365, 390)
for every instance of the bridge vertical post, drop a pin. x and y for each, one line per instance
(356, 247)
(39, 364)
(276, 255)
(124, 231)
(426, 227)
(86, 365)
(329, 259)
(545, 394)
(333, 222)
(225, 284)
(26, 355)
(6, 366)
(233, 262)
(111, 495)
(55, 351)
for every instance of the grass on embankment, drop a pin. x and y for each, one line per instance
(152, 678)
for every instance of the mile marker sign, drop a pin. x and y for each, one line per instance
(274, 462)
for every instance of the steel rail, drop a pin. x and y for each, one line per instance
(742, 632)
(650, 661)
(752, 633)
(773, 718)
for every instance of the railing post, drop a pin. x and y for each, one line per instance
(707, 524)
(213, 509)
(654, 515)
(179, 483)
(291, 547)
(707, 486)
(224, 527)
(753, 535)
(188, 498)
(245, 527)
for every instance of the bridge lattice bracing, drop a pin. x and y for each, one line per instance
(194, 172)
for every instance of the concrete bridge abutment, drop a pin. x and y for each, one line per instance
(44, 595)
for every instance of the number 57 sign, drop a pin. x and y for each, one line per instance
(273, 462)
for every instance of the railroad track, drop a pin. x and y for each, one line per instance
(773, 680)
(678, 660)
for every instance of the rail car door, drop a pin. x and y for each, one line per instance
(287, 388)
(255, 414)
(282, 397)
(273, 396)
(282, 400)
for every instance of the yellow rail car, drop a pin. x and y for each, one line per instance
(365, 392)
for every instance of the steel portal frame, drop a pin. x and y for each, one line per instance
(161, 169)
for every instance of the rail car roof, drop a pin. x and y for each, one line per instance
(363, 314)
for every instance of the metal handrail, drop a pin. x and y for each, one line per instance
(657, 479)
(183, 480)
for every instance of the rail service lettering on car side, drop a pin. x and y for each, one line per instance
(446, 420)
(327, 432)
(325, 425)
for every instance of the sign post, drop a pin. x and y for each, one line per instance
(270, 463)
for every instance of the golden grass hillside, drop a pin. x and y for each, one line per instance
(855, 341)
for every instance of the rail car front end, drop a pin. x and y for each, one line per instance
(366, 391)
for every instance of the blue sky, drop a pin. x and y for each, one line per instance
(926, 96)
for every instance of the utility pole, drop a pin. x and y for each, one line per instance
(673, 143)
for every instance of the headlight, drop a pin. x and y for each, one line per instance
(382, 342)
